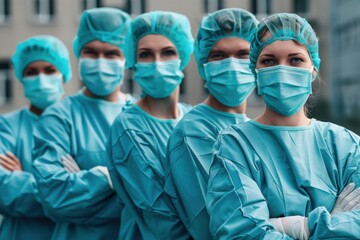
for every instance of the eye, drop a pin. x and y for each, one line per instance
(112, 54)
(242, 54)
(296, 60)
(169, 53)
(50, 70)
(215, 56)
(268, 61)
(89, 52)
(31, 72)
(144, 54)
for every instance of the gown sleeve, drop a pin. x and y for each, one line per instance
(18, 189)
(81, 198)
(345, 146)
(134, 164)
(237, 207)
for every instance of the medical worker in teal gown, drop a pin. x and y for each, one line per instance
(160, 45)
(69, 155)
(222, 49)
(41, 63)
(279, 176)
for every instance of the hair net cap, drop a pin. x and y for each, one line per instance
(230, 22)
(176, 27)
(42, 48)
(283, 27)
(109, 25)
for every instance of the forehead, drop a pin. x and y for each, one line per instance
(154, 41)
(39, 64)
(103, 46)
(231, 44)
(284, 47)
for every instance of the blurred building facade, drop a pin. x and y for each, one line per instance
(20, 19)
(344, 53)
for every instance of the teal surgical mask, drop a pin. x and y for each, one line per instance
(230, 80)
(101, 76)
(43, 90)
(158, 79)
(285, 89)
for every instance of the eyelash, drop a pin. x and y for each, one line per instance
(166, 53)
(269, 61)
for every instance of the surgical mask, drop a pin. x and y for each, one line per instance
(158, 79)
(284, 89)
(43, 90)
(230, 80)
(101, 76)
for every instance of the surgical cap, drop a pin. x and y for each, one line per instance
(283, 27)
(109, 25)
(42, 48)
(174, 26)
(225, 23)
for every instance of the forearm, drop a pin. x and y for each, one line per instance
(18, 195)
(77, 197)
(323, 225)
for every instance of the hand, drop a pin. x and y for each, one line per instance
(349, 199)
(293, 226)
(10, 162)
(70, 164)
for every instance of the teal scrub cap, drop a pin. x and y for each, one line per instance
(174, 26)
(42, 48)
(225, 23)
(283, 27)
(109, 25)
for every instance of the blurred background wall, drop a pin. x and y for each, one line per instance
(337, 23)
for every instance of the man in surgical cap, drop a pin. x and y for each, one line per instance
(42, 65)
(69, 156)
(222, 53)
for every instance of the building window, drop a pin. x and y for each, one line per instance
(136, 7)
(4, 11)
(301, 6)
(88, 4)
(5, 83)
(212, 5)
(261, 8)
(43, 11)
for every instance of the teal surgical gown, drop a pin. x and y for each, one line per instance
(137, 146)
(24, 217)
(261, 172)
(83, 204)
(188, 162)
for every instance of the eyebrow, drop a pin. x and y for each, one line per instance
(267, 55)
(295, 54)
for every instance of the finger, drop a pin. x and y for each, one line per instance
(346, 191)
(352, 199)
(73, 163)
(357, 206)
(7, 159)
(6, 165)
(67, 167)
(12, 156)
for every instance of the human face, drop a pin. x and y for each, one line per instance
(38, 67)
(154, 47)
(229, 47)
(289, 53)
(97, 49)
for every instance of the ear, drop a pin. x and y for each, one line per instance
(314, 73)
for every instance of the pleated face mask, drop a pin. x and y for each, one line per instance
(285, 89)
(230, 80)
